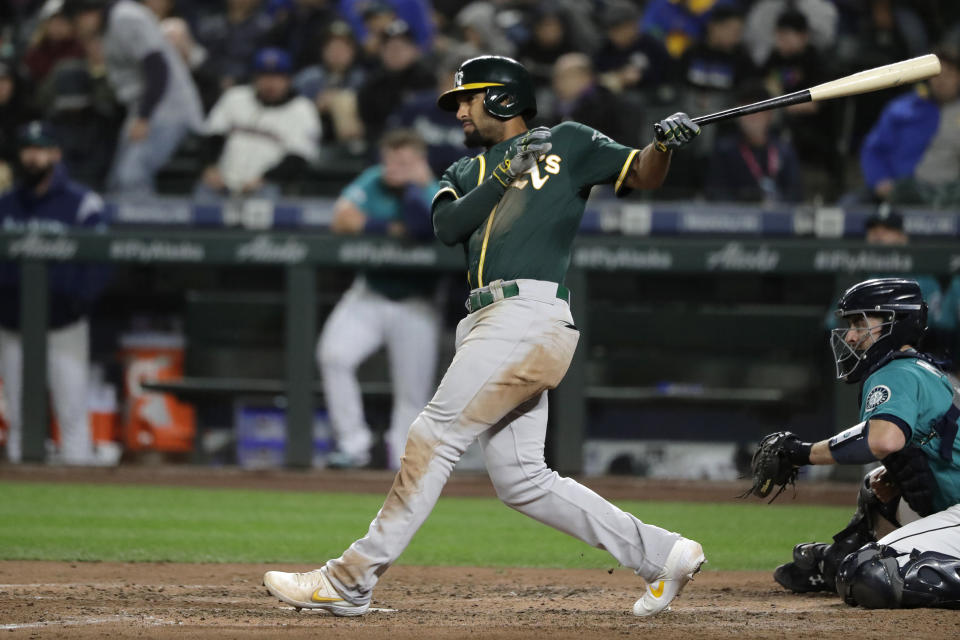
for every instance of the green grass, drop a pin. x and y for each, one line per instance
(135, 523)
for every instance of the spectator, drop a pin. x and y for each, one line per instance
(260, 135)
(149, 78)
(196, 57)
(719, 63)
(884, 228)
(415, 13)
(550, 39)
(333, 85)
(795, 64)
(46, 199)
(755, 164)
(480, 32)
(442, 134)
(383, 308)
(762, 18)
(677, 23)
(715, 69)
(629, 58)
(11, 114)
(400, 73)
(888, 31)
(53, 41)
(232, 38)
(297, 26)
(77, 100)
(580, 98)
(913, 151)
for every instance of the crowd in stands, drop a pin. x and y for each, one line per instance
(276, 97)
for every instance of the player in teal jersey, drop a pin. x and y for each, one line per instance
(515, 209)
(902, 546)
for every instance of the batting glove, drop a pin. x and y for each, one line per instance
(674, 132)
(523, 155)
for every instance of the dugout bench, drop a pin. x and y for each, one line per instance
(603, 270)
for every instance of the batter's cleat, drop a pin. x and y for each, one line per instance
(805, 573)
(311, 590)
(685, 559)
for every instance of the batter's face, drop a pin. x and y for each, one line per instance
(480, 129)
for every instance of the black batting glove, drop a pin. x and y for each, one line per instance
(674, 132)
(522, 155)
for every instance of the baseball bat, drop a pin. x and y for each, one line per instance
(885, 77)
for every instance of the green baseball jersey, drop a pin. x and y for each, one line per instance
(529, 233)
(914, 395)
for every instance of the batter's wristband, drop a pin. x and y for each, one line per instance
(501, 175)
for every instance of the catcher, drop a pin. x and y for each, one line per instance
(902, 546)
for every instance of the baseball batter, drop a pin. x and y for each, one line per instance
(515, 209)
(908, 411)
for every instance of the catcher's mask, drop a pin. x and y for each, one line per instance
(507, 87)
(899, 305)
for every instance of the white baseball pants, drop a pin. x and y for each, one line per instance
(507, 355)
(68, 362)
(937, 532)
(361, 323)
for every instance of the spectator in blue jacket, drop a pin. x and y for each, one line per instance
(917, 138)
(45, 199)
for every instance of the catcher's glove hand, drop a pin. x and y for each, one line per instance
(522, 155)
(674, 132)
(775, 463)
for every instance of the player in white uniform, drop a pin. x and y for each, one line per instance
(383, 309)
(516, 210)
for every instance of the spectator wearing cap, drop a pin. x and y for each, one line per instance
(760, 27)
(719, 62)
(261, 135)
(45, 199)
(333, 84)
(232, 37)
(629, 58)
(756, 163)
(912, 154)
(415, 13)
(149, 78)
(400, 73)
(796, 64)
(884, 228)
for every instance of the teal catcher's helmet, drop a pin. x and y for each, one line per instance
(507, 85)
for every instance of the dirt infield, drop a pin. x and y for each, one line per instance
(95, 600)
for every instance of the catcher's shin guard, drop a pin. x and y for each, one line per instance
(872, 578)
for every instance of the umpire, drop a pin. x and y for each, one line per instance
(45, 200)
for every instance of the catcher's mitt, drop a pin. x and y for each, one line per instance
(774, 463)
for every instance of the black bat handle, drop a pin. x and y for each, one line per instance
(796, 97)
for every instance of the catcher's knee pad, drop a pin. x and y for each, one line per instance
(870, 577)
(873, 578)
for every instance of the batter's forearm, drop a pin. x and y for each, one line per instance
(649, 168)
(455, 220)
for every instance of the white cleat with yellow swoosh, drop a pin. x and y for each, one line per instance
(684, 560)
(311, 590)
